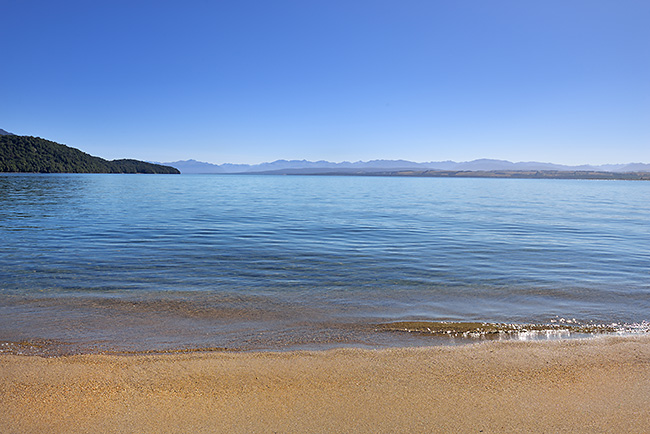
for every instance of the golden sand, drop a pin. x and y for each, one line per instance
(596, 385)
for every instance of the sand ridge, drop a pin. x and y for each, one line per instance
(594, 385)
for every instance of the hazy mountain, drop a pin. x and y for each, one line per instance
(5, 133)
(487, 164)
(635, 167)
(304, 166)
(193, 166)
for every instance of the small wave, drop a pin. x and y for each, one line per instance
(557, 329)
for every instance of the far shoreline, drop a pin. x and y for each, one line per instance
(495, 174)
(488, 174)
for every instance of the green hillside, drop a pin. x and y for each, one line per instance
(36, 155)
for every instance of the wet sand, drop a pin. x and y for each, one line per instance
(597, 385)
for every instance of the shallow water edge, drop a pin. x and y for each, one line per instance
(401, 334)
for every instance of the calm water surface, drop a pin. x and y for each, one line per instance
(138, 262)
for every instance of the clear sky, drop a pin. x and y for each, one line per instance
(563, 81)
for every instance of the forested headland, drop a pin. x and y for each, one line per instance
(37, 155)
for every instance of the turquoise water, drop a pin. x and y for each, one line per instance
(138, 262)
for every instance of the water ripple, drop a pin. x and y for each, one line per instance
(345, 250)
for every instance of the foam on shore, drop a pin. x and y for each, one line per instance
(558, 328)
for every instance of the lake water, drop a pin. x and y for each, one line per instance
(163, 262)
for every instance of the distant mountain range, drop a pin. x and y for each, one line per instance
(33, 154)
(376, 166)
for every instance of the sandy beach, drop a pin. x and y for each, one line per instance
(597, 385)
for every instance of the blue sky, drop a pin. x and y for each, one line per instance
(251, 81)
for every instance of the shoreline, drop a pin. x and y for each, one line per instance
(599, 384)
(374, 335)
